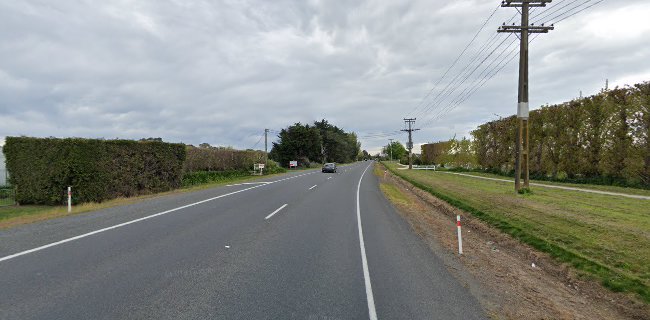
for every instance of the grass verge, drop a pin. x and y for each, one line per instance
(390, 191)
(603, 237)
(12, 216)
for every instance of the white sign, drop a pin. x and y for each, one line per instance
(261, 166)
(293, 163)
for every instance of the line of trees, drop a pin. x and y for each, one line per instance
(603, 138)
(452, 153)
(320, 142)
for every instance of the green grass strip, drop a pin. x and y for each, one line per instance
(609, 278)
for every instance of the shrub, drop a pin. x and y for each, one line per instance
(97, 170)
(272, 167)
(201, 177)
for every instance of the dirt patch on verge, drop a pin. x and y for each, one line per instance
(514, 280)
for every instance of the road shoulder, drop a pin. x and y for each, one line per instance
(411, 281)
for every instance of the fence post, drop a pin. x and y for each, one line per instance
(69, 199)
(460, 235)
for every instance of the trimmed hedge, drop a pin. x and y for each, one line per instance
(221, 159)
(97, 170)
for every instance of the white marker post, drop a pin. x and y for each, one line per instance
(69, 199)
(460, 235)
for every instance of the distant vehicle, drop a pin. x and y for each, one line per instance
(329, 167)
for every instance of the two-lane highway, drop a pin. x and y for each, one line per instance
(286, 248)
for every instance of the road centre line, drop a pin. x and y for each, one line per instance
(276, 211)
(141, 219)
(372, 312)
(313, 187)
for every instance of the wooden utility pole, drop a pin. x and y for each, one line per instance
(266, 147)
(391, 149)
(523, 31)
(410, 130)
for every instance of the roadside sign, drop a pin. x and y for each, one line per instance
(258, 169)
(293, 164)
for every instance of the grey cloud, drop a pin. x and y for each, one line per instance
(221, 71)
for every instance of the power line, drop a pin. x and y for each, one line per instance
(380, 135)
(457, 58)
(490, 74)
(545, 18)
(551, 11)
(581, 10)
(256, 143)
(487, 46)
(455, 85)
(455, 81)
(487, 74)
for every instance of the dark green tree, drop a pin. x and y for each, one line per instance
(298, 142)
(320, 142)
(338, 146)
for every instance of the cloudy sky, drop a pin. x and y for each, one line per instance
(221, 71)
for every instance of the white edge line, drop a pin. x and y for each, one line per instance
(22, 253)
(313, 187)
(276, 211)
(372, 312)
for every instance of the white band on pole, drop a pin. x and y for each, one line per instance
(460, 235)
(522, 110)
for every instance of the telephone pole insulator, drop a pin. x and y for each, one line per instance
(409, 145)
(523, 31)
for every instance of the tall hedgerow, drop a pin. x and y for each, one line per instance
(597, 139)
(98, 170)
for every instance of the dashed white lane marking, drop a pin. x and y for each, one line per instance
(329, 178)
(372, 312)
(141, 219)
(276, 211)
(247, 183)
(314, 186)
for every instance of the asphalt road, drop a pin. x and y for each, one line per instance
(289, 249)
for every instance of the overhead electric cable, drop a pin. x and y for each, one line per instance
(457, 58)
